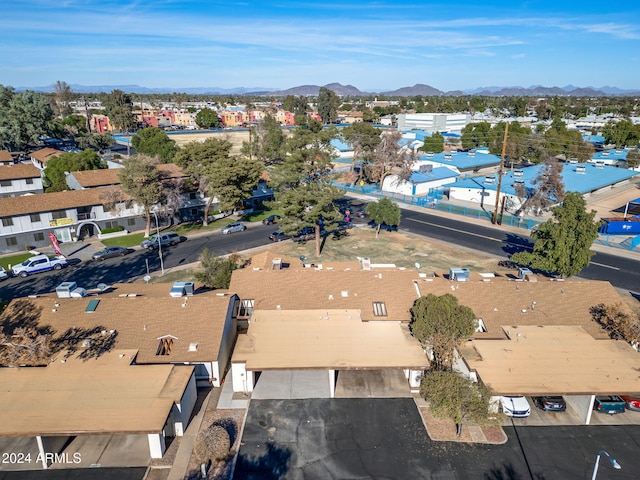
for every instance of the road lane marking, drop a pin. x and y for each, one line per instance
(499, 240)
(605, 266)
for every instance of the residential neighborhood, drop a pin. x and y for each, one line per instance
(229, 291)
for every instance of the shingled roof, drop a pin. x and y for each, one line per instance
(18, 171)
(109, 176)
(48, 202)
(141, 315)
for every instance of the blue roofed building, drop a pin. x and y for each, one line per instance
(420, 182)
(472, 161)
(610, 157)
(584, 178)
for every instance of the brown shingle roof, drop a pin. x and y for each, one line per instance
(500, 301)
(47, 202)
(18, 171)
(109, 176)
(103, 395)
(97, 178)
(140, 320)
(45, 154)
(5, 156)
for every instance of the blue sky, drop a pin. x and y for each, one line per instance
(373, 45)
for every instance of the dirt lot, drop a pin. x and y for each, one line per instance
(236, 138)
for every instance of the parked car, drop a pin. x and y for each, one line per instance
(234, 227)
(610, 404)
(3, 274)
(39, 263)
(515, 406)
(278, 236)
(271, 219)
(550, 403)
(631, 402)
(307, 233)
(110, 252)
(383, 226)
(155, 241)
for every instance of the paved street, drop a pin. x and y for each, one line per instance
(385, 438)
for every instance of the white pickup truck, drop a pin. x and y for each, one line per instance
(39, 263)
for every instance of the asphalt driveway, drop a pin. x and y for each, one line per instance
(385, 439)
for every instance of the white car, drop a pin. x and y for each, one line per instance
(515, 406)
(3, 273)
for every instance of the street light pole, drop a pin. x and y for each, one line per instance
(159, 242)
(614, 463)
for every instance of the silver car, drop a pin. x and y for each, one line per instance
(110, 252)
(234, 227)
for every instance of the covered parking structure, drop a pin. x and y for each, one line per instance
(108, 395)
(539, 360)
(326, 341)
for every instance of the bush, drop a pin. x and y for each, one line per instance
(119, 228)
(213, 445)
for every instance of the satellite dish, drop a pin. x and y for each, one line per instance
(146, 278)
(102, 287)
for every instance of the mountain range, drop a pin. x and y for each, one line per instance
(351, 91)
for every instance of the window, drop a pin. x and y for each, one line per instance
(5, 183)
(12, 241)
(38, 237)
(165, 345)
(131, 221)
(246, 308)
(7, 222)
(58, 214)
(35, 217)
(111, 224)
(193, 196)
(29, 181)
(379, 309)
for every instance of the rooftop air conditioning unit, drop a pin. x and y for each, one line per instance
(573, 161)
(489, 179)
(518, 173)
(599, 164)
(426, 168)
(581, 169)
(471, 154)
(524, 273)
(459, 274)
(65, 288)
(518, 182)
(181, 289)
(447, 156)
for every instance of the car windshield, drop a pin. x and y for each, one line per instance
(26, 262)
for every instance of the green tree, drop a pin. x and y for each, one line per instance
(364, 138)
(452, 395)
(440, 323)
(154, 141)
(385, 211)
(434, 143)
(475, 135)
(119, 108)
(218, 174)
(24, 118)
(562, 243)
(141, 179)
(302, 183)
(207, 118)
(266, 142)
(622, 133)
(298, 106)
(54, 174)
(216, 271)
(328, 103)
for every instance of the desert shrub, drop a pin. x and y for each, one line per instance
(212, 445)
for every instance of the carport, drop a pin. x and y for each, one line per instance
(306, 353)
(71, 399)
(555, 360)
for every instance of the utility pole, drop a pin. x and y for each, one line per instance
(504, 148)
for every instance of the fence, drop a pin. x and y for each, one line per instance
(618, 241)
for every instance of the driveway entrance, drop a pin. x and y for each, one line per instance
(372, 384)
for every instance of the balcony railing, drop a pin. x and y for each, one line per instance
(86, 216)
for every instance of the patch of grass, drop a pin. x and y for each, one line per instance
(130, 240)
(182, 275)
(14, 260)
(259, 216)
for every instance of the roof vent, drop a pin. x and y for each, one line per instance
(193, 347)
(518, 173)
(471, 154)
(518, 182)
(447, 156)
(573, 161)
(490, 179)
(581, 169)
(604, 154)
(429, 154)
(599, 164)
(344, 293)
